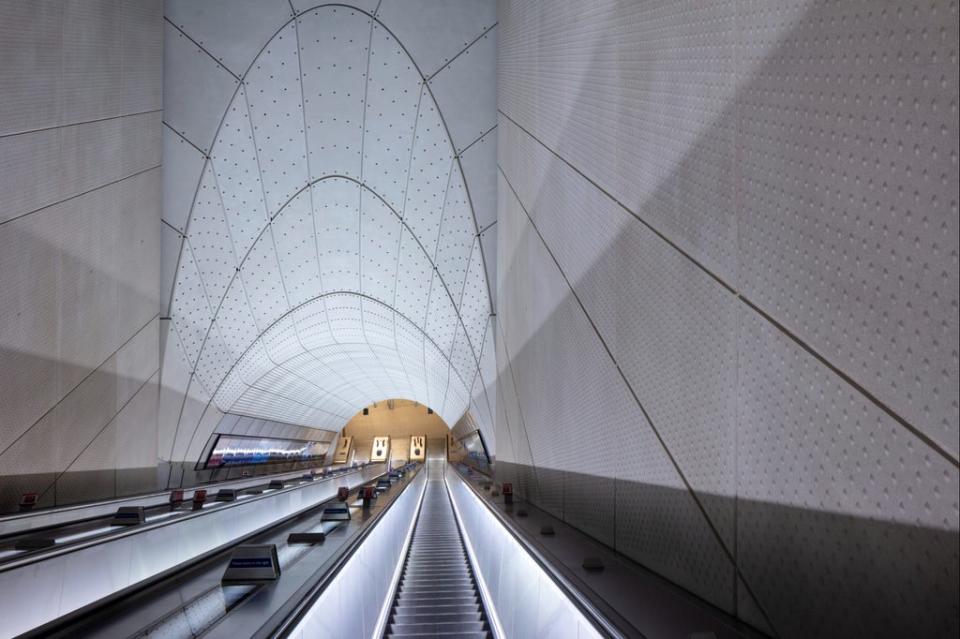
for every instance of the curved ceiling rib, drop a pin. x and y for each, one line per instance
(332, 205)
(291, 357)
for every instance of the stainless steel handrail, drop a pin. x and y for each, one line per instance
(583, 603)
(62, 626)
(31, 558)
(157, 498)
(306, 601)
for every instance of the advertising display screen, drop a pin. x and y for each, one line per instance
(241, 450)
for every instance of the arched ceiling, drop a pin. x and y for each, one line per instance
(332, 255)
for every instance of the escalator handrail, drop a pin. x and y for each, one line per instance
(58, 626)
(133, 500)
(599, 620)
(31, 558)
(305, 601)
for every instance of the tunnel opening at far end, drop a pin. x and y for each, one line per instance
(395, 431)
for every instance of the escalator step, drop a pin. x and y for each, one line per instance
(437, 593)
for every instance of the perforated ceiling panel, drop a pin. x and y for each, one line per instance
(331, 255)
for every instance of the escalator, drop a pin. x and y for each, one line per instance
(437, 594)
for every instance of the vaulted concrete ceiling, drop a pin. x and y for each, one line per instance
(331, 255)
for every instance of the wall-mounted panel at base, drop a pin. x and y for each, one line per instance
(344, 448)
(380, 451)
(418, 448)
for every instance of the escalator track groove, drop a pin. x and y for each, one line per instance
(437, 595)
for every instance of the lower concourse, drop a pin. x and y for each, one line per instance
(478, 318)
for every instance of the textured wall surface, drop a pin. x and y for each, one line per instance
(80, 205)
(329, 211)
(727, 289)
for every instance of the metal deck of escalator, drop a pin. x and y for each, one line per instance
(437, 593)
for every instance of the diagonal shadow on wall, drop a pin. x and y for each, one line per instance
(874, 556)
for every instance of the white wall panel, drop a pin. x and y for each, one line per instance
(82, 413)
(824, 496)
(518, 449)
(462, 357)
(263, 283)
(236, 165)
(137, 245)
(328, 144)
(32, 43)
(337, 216)
(189, 308)
(175, 373)
(393, 97)
(92, 74)
(452, 26)
(603, 92)
(488, 244)
(170, 245)
(86, 414)
(231, 30)
(201, 435)
(29, 163)
(141, 55)
(479, 163)
(137, 428)
(45, 167)
(441, 318)
(313, 326)
(413, 269)
(273, 93)
(87, 290)
(755, 205)
(484, 394)
(28, 324)
(72, 252)
(852, 243)
(430, 166)
(196, 403)
(215, 362)
(474, 302)
(182, 171)
(210, 238)
(333, 43)
(463, 92)
(90, 155)
(242, 328)
(197, 89)
(379, 244)
(240, 425)
(138, 360)
(456, 234)
(555, 410)
(678, 350)
(296, 240)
